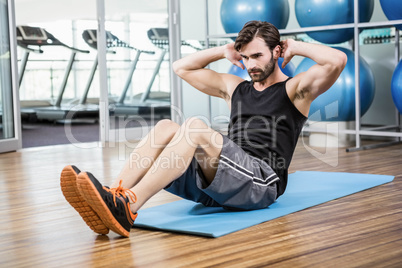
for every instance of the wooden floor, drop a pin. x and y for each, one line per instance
(39, 228)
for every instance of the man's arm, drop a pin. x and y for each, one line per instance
(307, 86)
(192, 69)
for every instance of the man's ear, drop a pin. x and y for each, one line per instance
(277, 52)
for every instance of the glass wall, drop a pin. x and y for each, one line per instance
(137, 66)
(46, 77)
(137, 75)
(9, 124)
(194, 30)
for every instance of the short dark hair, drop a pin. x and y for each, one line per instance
(265, 30)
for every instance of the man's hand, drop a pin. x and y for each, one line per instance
(287, 53)
(233, 55)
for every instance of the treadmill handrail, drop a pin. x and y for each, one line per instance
(112, 41)
(77, 49)
(30, 49)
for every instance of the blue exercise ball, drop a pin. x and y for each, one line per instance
(235, 13)
(396, 86)
(311, 13)
(289, 70)
(338, 103)
(392, 10)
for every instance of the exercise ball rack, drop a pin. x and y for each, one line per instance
(381, 131)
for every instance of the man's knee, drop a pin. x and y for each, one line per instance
(196, 131)
(163, 132)
(194, 123)
(167, 127)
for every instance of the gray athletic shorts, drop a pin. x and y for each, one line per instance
(242, 182)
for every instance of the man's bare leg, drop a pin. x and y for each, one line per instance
(144, 155)
(117, 207)
(193, 138)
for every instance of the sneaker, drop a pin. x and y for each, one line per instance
(68, 183)
(112, 205)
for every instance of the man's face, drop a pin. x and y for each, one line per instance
(258, 59)
(260, 74)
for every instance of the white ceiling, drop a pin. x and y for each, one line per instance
(34, 11)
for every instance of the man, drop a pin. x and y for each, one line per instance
(242, 171)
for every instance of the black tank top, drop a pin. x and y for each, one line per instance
(266, 125)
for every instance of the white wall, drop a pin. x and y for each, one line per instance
(35, 11)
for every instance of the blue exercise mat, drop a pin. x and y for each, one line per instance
(305, 189)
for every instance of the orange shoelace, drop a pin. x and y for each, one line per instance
(120, 191)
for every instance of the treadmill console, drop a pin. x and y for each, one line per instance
(31, 33)
(90, 37)
(159, 37)
(158, 34)
(32, 36)
(36, 36)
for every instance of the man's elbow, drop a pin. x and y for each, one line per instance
(179, 69)
(337, 64)
(341, 61)
(176, 67)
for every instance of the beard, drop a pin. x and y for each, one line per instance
(262, 74)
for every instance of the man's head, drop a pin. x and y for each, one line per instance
(259, 45)
(262, 29)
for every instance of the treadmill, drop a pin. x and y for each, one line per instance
(112, 41)
(148, 104)
(151, 103)
(83, 109)
(32, 39)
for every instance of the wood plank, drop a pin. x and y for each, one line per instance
(40, 229)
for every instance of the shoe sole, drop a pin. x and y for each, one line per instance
(95, 200)
(68, 183)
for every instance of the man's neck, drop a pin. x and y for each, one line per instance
(276, 77)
